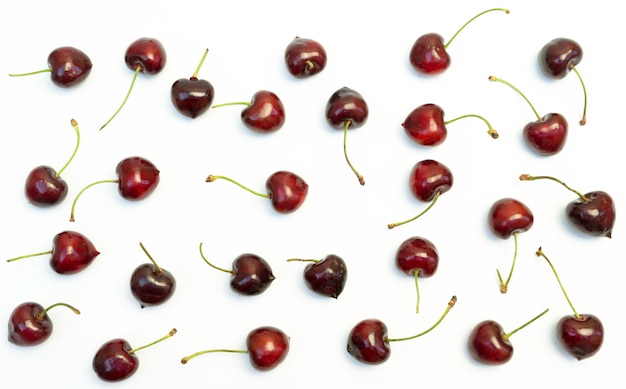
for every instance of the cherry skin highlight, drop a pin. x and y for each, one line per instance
(68, 66)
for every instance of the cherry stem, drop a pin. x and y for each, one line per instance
(493, 133)
(212, 178)
(158, 269)
(583, 120)
(528, 177)
(232, 103)
(509, 334)
(187, 358)
(493, 78)
(417, 289)
(471, 20)
(83, 191)
(345, 152)
(132, 84)
(30, 255)
(302, 260)
(451, 303)
(45, 311)
(75, 125)
(169, 335)
(212, 265)
(392, 225)
(504, 286)
(540, 253)
(48, 70)
(195, 74)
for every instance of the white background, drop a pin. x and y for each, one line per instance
(367, 46)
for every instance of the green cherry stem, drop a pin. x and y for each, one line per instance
(169, 335)
(393, 225)
(74, 124)
(496, 79)
(232, 103)
(158, 269)
(303, 260)
(186, 359)
(540, 253)
(528, 177)
(471, 20)
(345, 153)
(132, 84)
(504, 286)
(451, 303)
(493, 133)
(43, 313)
(417, 290)
(510, 333)
(212, 265)
(197, 71)
(83, 191)
(212, 178)
(30, 255)
(48, 70)
(583, 120)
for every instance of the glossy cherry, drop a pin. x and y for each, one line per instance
(285, 190)
(509, 217)
(417, 257)
(116, 361)
(30, 325)
(137, 178)
(144, 55)
(305, 57)
(151, 284)
(428, 180)
(425, 125)
(326, 276)
(265, 113)
(560, 56)
(71, 253)
(429, 55)
(346, 109)
(192, 96)
(68, 66)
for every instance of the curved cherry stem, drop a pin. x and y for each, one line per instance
(232, 103)
(504, 286)
(451, 303)
(583, 120)
(417, 290)
(74, 124)
(195, 73)
(30, 255)
(494, 78)
(493, 133)
(528, 177)
(169, 335)
(43, 313)
(159, 271)
(132, 84)
(540, 253)
(472, 19)
(48, 70)
(392, 225)
(509, 334)
(83, 191)
(212, 178)
(345, 153)
(212, 265)
(186, 359)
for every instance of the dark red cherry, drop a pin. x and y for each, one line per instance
(265, 113)
(68, 66)
(151, 284)
(29, 324)
(508, 216)
(192, 96)
(305, 57)
(327, 276)
(417, 254)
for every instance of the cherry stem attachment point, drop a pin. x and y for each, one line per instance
(493, 133)
(212, 178)
(83, 191)
(528, 177)
(472, 19)
(43, 313)
(509, 334)
(540, 253)
(212, 265)
(494, 78)
(393, 225)
(132, 84)
(74, 124)
(159, 271)
(345, 152)
(169, 335)
(504, 286)
(451, 304)
(583, 120)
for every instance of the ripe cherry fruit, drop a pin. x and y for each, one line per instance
(305, 57)
(265, 113)
(417, 257)
(326, 276)
(151, 284)
(68, 66)
(192, 96)
(29, 324)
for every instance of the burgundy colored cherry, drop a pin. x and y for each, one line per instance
(151, 284)
(490, 345)
(546, 135)
(346, 109)
(266, 346)
(265, 113)
(557, 58)
(581, 335)
(44, 186)
(286, 190)
(68, 66)
(425, 125)
(145, 55)
(419, 258)
(30, 325)
(428, 180)
(116, 361)
(368, 341)
(305, 57)
(137, 178)
(71, 253)
(508, 217)
(327, 276)
(592, 213)
(429, 54)
(250, 275)
(192, 96)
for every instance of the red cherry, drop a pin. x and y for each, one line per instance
(192, 96)
(68, 66)
(417, 257)
(265, 113)
(151, 284)
(326, 276)
(29, 324)
(305, 57)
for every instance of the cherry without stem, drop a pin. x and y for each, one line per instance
(68, 66)
(264, 114)
(417, 257)
(192, 96)
(151, 284)
(305, 57)
(326, 276)
(29, 324)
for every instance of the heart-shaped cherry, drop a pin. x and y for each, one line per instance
(305, 57)
(417, 257)
(490, 345)
(425, 125)
(286, 190)
(192, 96)
(144, 55)
(546, 135)
(326, 276)
(151, 284)
(44, 186)
(428, 180)
(266, 346)
(429, 54)
(71, 253)
(68, 66)
(265, 113)
(507, 217)
(30, 325)
(137, 178)
(116, 361)
(592, 213)
(250, 275)
(345, 109)
(581, 335)
(368, 341)
(557, 58)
